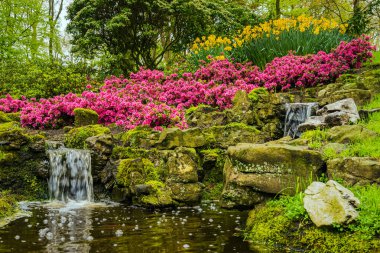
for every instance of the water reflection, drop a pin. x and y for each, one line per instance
(111, 228)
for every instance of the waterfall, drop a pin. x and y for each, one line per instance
(70, 174)
(296, 114)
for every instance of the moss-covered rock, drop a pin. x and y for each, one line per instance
(235, 196)
(136, 171)
(12, 136)
(8, 204)
(204, 116)
(186, 192)
(76, 137)
(231, 134)
(272, 168)
(140, 137)
(159, 196)
(84, 117)
(183, 165)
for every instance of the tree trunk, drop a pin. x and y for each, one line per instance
(278, 9)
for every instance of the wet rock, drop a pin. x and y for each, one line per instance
(234, 196)
(183, 165)
(186, 193)
(355, 170)
(143, 189)
(271, 168)
(330, 203)
(84, 117)
(101, 147)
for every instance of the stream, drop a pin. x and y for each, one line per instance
(89, 227)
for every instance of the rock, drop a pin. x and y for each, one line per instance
(349, 133)
(360, 96)
(340, 118)
(204, 116)
(183, 165)
(140, 137)
(268, 111)
(234, 196)
(346, 105)
(216, 136)
(101, 147)
(271, 168)
(84, 117)
(76, 137)
(12, 136)
(186, 193)
(312, 123)
(232, 134)
(173, 137)
(355, 170)
(143, 189)
(330, 203)
(241, 111)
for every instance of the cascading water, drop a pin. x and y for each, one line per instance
(296, 114)
(70, 175)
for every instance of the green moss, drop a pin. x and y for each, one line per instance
(141, 165)
(14, 116)
(84, 117)
(76, 137)
(9, 126)
(194, 108)
(255, 94)
(283, 223)
(138, 137)
(8, 204)
(212, 191)
(120, 152)
(4, 117)
(210, 152)
(7, 157)
(373, 104)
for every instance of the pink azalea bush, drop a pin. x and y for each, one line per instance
(151, 98)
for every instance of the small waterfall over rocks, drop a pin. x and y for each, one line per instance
(70, 174)
(296, 114)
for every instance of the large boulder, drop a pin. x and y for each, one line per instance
(183, 165)
(329, 204)
(271, 168)
(355, 170)
(84, 117)
(216, 136)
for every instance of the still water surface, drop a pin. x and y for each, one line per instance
(119, 228)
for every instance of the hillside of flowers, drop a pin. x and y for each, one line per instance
(261, 43)
(151, 98)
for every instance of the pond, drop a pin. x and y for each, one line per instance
(119, 228)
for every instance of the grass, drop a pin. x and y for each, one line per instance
(284, 223)
(376, 57)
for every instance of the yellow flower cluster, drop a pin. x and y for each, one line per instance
(211, 41)
(273, 27)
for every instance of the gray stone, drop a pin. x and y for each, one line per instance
(330, 203)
